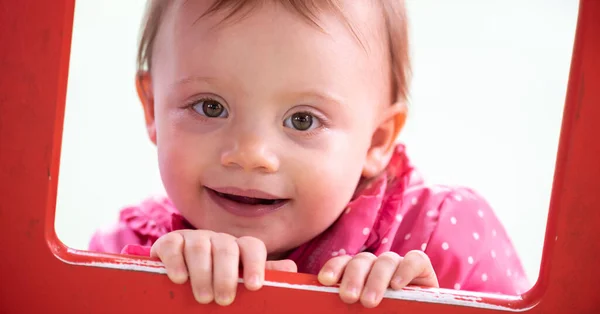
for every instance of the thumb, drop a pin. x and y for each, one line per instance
(286, 265)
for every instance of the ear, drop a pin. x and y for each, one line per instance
(143, 83)
(383, 142)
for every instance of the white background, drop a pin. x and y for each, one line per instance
(487, 97)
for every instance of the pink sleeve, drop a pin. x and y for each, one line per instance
(139, 227)
(470, 250)
(134, 249)
(114, 240)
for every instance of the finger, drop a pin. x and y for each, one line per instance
(286, 265)
(415, 269)
(197, 252)
(169, 249)
(226, 263)
(379, 278)
(354, 276)
(253, 254)
(332, 271)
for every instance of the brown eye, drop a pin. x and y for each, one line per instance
(301, 121)
(210, 108)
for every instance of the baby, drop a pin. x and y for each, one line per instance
(275, 124)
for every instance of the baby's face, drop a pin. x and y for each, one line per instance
(263, 123)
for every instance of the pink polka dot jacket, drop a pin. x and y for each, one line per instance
(396, 211)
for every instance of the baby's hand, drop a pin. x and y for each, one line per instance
(366, 277)
(212, 261)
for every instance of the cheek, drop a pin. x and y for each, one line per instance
(179, 158)
(329, 180)
(172, 162)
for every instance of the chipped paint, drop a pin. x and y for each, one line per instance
(443, 296)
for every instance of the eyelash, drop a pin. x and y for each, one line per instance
(324, 122)
(190, 106)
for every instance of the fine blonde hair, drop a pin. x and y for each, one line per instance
(394, 12)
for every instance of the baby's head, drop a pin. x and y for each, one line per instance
(289, 103)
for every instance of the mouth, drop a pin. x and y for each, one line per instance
(246, 200)
(246, 203)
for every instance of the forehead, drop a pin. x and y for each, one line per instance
(276, 35)
(364, 15)
(363, 19)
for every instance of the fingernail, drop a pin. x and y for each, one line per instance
(181, 270)
(352, 292)
(328, 276)
(254, 281)
(370, 296)
(181, 274)
(204, 297)
(396, 282)
(224, 299)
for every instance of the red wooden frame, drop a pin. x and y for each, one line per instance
(40, 274)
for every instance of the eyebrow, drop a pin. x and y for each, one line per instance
(190, 79)
(314, 93)
(320, 95)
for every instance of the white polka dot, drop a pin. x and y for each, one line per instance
(453, 220)
(470, 260)
(475, 235)
(507, 252)
(334, 253)
(342, 252)
(508, 273)
(484, 277)
(423, 246)
(398, 217)
(414, 201)
(348, 210)
(362, 248)
(407, 236)
(456, 286)
(366, 231)
(480, 213)
(384, 241)
(518, 292)
(445, 246)
(431, 213)
(493, 232)
(493, 253)
(457, 197)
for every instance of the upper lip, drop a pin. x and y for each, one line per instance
(251, 193)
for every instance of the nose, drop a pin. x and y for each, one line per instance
(250, 153)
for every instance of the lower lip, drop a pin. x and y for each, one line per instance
(244, 210)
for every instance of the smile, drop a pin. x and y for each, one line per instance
(246, 203)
